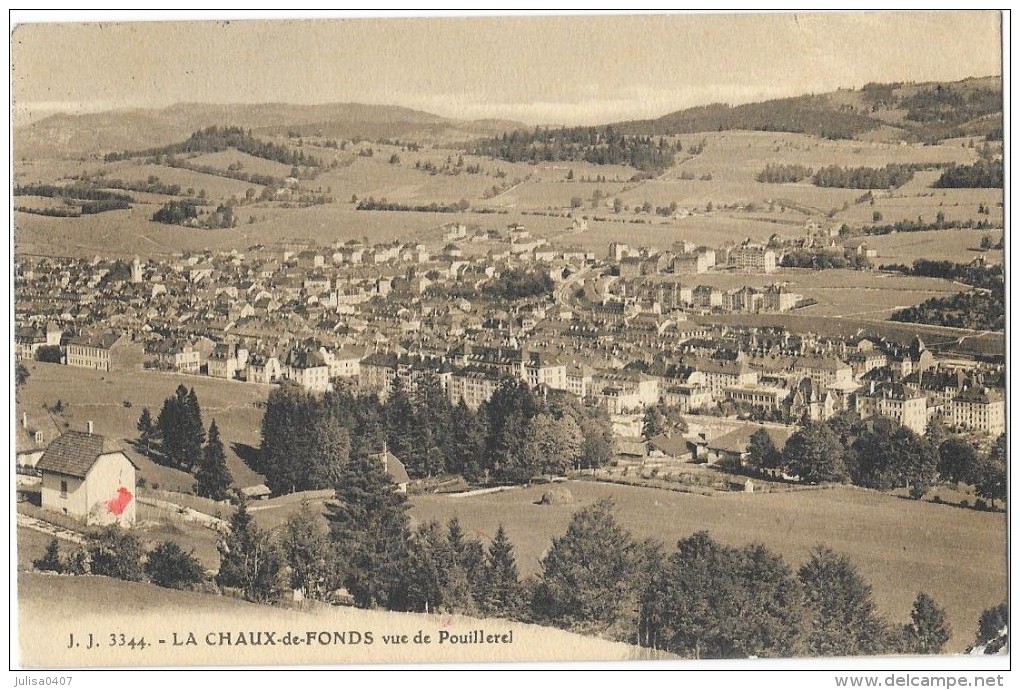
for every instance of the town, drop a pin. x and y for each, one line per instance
(727, 383)
(615, 330)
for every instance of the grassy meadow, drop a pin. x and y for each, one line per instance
(900, 546)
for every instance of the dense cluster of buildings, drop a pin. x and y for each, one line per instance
(366, 315)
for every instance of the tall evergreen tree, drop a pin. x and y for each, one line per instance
(145, 428)
(213, 477)
(762, 452)
(928, 630)
(194, 431)
(502, 594)
(315, 568)
(468, 448)
(843, 620)
(588, 572)
(330, 452)
(369, 526)
(250, 560)
(714, 601)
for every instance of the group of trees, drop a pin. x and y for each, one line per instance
(978, 311)
(308, 440)
(186, 212)
(598, 145)
(519, 283)
(824, 258)
(890, 176)
(987, 174)
(878, 453)
(707, 600)
(177, 438)
(212, 139)
(371, 204)
(119, 553)
(176, 212)
(781, 173)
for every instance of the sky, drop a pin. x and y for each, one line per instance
(546, 69)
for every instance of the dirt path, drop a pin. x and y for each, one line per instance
(49, 528)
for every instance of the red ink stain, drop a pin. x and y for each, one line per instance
(446, 622)
(118, 504)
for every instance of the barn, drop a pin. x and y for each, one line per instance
(86, 478)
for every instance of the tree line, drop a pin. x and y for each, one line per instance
(783, 173)
(371, 204)
(212, 139)
(597, 145)
(308, 440)
(976, 311)
(880, 454)
(887, 177)
(987, 174)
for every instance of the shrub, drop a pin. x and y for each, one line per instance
(169, 566)
(117, 553)
(980, 504)
(50, 562)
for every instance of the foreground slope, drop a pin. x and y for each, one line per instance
(52, 607)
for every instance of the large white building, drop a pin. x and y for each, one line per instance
(980, 409)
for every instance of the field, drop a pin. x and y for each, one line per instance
(901, 547)
(100, 397)
(936, 245)
(53, 607)
(742, 207)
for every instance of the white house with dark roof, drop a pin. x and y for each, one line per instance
(85, 477)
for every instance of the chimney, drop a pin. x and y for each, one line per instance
(88, 427)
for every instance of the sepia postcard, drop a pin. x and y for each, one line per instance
(651, 340)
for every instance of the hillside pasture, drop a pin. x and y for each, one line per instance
(900, 546)
(936, 245)
(222, 160)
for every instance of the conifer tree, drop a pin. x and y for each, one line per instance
(369, 526)
(503, 594)
(145, 428)
(250, 560)
(928, 630)
(840, 608)
(213, 476)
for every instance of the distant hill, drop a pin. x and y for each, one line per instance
(926, 112)
(92, 134)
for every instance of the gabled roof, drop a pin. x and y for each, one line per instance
(72, 454)
(393, 466)
(736, 441)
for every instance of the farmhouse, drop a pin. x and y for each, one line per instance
(85, 478)
(730, 449)
(393, 467)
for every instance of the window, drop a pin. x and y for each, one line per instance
(63, 488)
